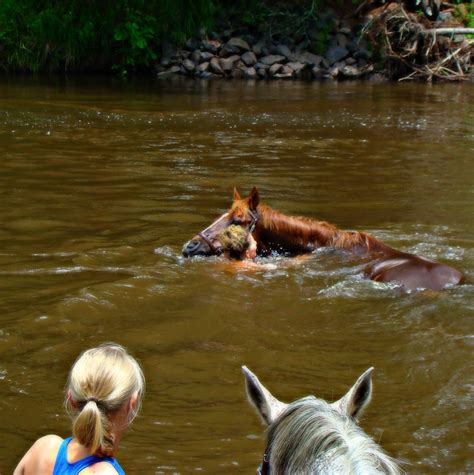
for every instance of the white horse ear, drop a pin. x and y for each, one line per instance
(254, 198)
(236, 195)
(357, 398)
(268, 407)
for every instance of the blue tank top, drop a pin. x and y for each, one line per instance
(63, 467)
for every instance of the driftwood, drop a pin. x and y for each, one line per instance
(412, 51)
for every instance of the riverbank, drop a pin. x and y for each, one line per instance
(250, 39)
(385, 43)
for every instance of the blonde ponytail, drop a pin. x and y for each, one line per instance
(101, 381)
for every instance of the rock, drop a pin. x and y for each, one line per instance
(227, 64)
(229, 50)
(262, 73)
(350, 61)
(317, 72)
(286, 70)
(272, 59)
(261, 66)
(275, 68)
(336, 53)
(241, 65)
(283, 50)
(249, 58)
(203, 67)
(296, 66)
(361, 63)
(215, 66)
(189, 65)
(259, 48)
(334, 71)
(192, 44)
(212, 46)
(342, 40)
(238, 43)
(205, 56)
(284, 75)
(345, 30)
(351, 72)
(250, 73)
(237, 73)
(167, 74)
(206, 75)
(196, 56)
(311, 59)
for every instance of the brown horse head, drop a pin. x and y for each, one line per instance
(243, 213)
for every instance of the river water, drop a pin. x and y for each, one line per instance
(101, 183)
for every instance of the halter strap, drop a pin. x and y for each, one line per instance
(214, 249)
(264, 468)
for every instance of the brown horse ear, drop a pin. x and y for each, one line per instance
(236, 195)
(254, 198)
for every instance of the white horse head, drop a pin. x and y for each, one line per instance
(312, 436)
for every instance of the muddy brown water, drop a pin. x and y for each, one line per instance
(102, 182)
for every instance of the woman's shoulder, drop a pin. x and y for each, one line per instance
(101, 468)
(41, 456)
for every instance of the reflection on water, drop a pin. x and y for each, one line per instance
(102, 183)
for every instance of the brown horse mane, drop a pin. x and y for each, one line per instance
(299, 228)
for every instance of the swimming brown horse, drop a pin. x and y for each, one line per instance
(290, 235)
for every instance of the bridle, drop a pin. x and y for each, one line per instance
(264, 468)
(217, 250)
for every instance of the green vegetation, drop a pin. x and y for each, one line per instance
(125, 35)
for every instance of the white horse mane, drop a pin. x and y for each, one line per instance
(311, 437)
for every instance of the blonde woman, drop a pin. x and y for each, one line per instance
(103, 395)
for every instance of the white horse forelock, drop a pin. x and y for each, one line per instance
(312, 437)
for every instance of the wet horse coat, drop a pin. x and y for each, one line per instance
(276, 232)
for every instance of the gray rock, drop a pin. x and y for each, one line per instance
(167, 74)
(275, 68)
(283, 75)
(334, 71)
(317, 72)
(250, 73)
(259, 48)
(229, 50)
(215, 66)
(212, 46)
(227, 64)
(296, 66)
(238, 43)
(189, 65)
(206, 75)
(350, 61)
(351, 72)
(342, 40)
(205, 56)
(345, 30)
(261, 66)
(249, 58)
(203, 67)
(272, 59)
(196, 56)
(283, 50)
(311, 59)
(262, 73)
(237, 73)
(336, 53)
